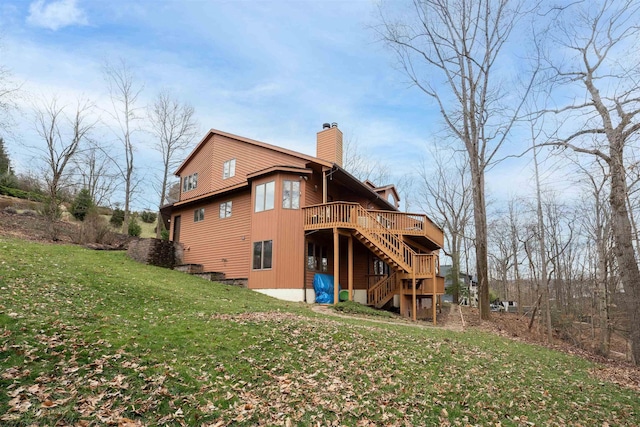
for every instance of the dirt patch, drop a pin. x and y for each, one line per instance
(29, 225)
(20, 219)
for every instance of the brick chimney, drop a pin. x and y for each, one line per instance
(329, 145)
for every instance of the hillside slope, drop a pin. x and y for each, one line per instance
(92, 338)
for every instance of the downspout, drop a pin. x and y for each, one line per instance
(324, 185)
(304, 268)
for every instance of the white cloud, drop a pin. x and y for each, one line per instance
(56, 14)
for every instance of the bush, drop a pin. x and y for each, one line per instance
(164, 234)
(82, 205)
(148, 217)
(94, 229)
(51, 210)
(8, 180)
(134, 228)
(117, 218)
(21, 194)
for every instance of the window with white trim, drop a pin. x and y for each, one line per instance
(189, 182)
(291, 194)
(229, 169)
(265, 195)
(225, 209)
(198, 215)
(262, 254)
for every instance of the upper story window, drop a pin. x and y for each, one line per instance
(225, 209)
(229, 169)
(189, 182)
(291, 194)
(265, 195)
(198, 215)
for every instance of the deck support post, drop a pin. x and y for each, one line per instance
(414, 305)
(433, 289)
(336, 264)
(350, 267)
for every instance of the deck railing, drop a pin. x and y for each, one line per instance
(377, 227)
(342, 213)
(382, 289)
(409, 224)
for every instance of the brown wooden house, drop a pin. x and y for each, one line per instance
(273, 218)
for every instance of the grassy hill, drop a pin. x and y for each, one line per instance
(92, 338)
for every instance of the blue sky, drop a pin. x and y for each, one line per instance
(268, 70)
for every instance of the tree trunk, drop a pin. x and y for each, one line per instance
(480, 219)
(623, 248)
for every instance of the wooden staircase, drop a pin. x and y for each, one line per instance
(391, 248)
(383, 238)
(382, 292)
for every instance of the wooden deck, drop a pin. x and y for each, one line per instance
(415, 274)
(352, 215)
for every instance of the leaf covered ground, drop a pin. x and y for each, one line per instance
(92, 338)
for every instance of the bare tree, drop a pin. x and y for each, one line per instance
(445, 194)
(449, 50)
(596, 221)
(359, 164)
(514, 237)
(9, 93)
(500, 256)
(174, 127)
(544, 283)
(63, 136)
(94, 171)
(600, 36)
(123, 93)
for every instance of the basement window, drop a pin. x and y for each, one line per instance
(317, 257)
(262, 254)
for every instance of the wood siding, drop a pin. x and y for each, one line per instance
(210, 159)
(313, 190)
(219, 244)
(285, 228)
(201, 164)
(249, 159)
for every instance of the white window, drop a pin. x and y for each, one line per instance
(225, 209)
(291, 194)
(262, 254)
(198, 215)
(265, 196)
(229, 169)
(189, 182)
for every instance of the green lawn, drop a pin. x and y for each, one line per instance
(92, 338)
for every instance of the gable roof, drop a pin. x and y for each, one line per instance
(275, 148)
(364, 188)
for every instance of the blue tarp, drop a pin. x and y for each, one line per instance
(323, 286)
